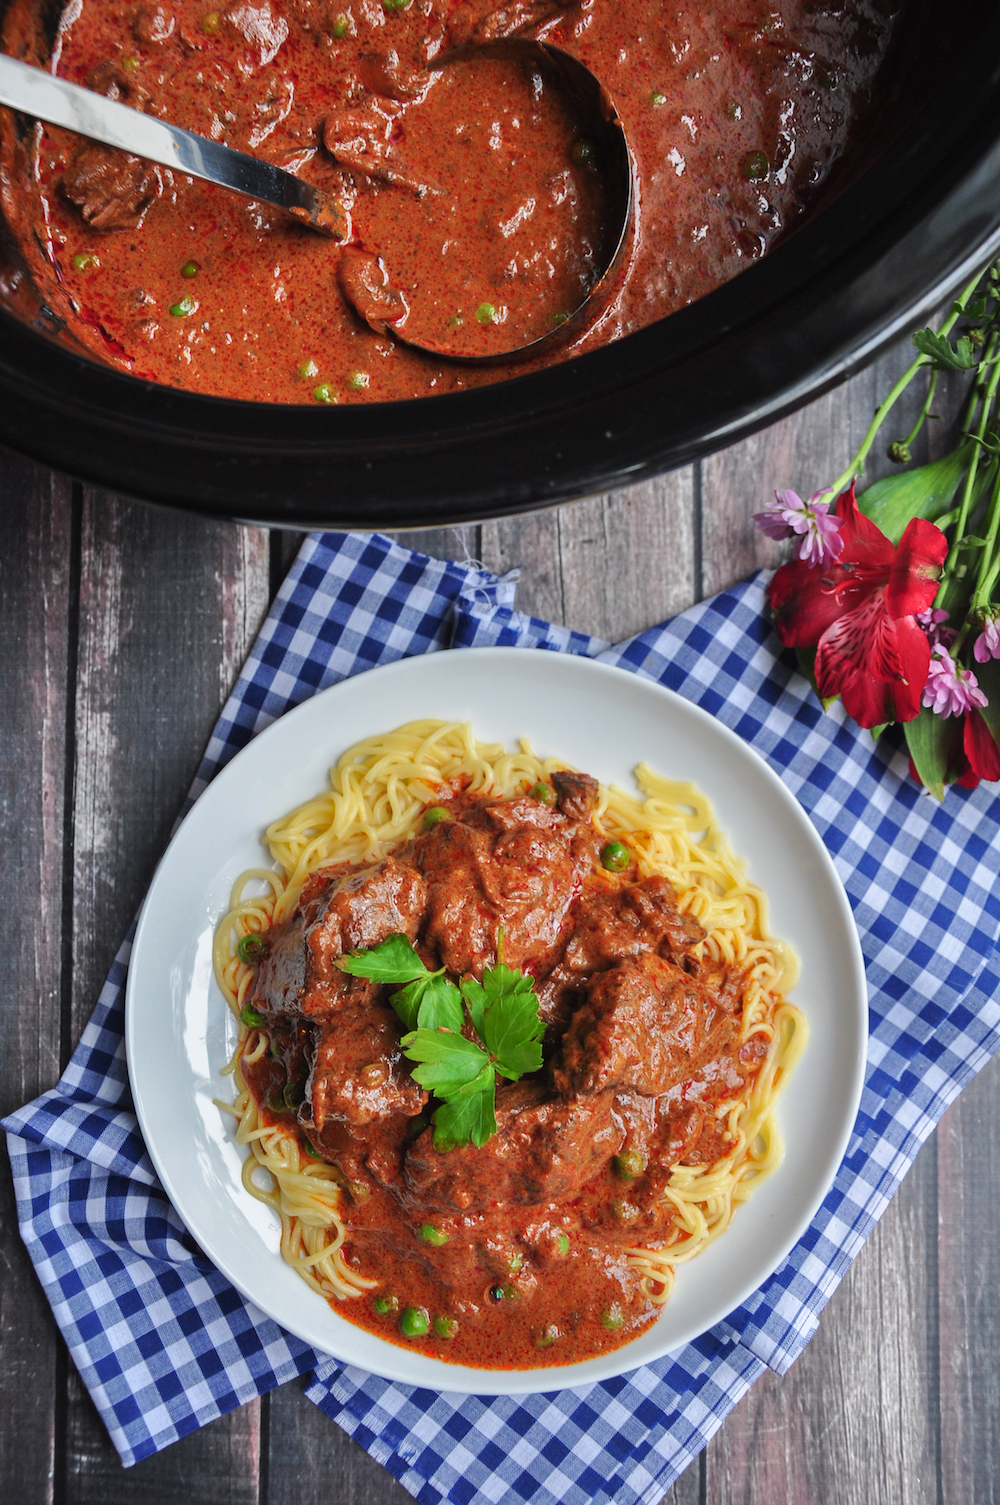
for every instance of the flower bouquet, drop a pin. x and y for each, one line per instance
(892, 599)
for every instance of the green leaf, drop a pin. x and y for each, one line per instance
(441, 1005)
(929, 739)
(877, 731)
(513, 1031)
(393, 961)
(928, 492)
(962, 358)
(988, 675)
(470, 1117)
(448, 1061)
(430, 1002)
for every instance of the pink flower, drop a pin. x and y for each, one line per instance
(788, 515)
(951, 690)
(987, 644)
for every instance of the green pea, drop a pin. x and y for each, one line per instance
(562, 1244)
(434, 1236)
(624, 1212)
(86, 261)
(251, 1018)
(615, 857)
(276, 1100)
(391, 5)
(129, 64)
(515, 1264)
(190, 269)
(307, 369)
(359, 1190)
(445, 1327)
(434, 816)
(311, 1150)
(386, 1304)
(414, 1322)
(456, 321)
(629, 1165)
(755, 166)
(734, 111)
(250, 948)
(358, 380)
(341, 25)
(294, 1095)
(543, 793)
(211, 24)
(657, 99)
(613, 1318)
(324, 393)
(183, 307)
(583, 152)
(560, 317)
(486, 313)
(547, 1336)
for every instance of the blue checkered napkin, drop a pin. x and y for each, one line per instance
(164, 1344)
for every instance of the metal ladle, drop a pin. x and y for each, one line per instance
(42, 96)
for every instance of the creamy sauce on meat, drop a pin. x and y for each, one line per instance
(527, 1263)
(475, 204)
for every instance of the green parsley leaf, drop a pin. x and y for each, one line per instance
(504, 1010)
(447, 1061)
(393, 961)
(460, 1072)
(469, 1117)
(430, 1002)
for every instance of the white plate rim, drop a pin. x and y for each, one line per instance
(579, 678)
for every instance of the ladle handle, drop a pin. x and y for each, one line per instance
(45, 97)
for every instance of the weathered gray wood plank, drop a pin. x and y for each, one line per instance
(35, 593)
(168, 607)
(967, 1145)
(610, 565)
(312, 1462)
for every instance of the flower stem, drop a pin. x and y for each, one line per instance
(985, 411)
(989, 562)
(856, 465)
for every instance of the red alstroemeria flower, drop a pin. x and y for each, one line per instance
(859, 613)
(979, 754)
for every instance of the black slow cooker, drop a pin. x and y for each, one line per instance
(915, 216)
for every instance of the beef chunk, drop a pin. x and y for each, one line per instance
(365, 285)
(545, 1148)
(359, 1073)
(352, 911)
(515, 863)
(576, 794)
(111, 189)
(612, 924)
(645, 1027)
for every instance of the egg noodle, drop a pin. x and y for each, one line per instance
(378, 793)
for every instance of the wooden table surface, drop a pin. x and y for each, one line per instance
(123, 628)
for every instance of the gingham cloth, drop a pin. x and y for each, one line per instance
(165, 1344)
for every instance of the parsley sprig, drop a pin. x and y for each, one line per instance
(459, 1071)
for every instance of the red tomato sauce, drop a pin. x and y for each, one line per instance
(479, 216)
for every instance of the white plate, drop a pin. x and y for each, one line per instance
(179, 1032)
